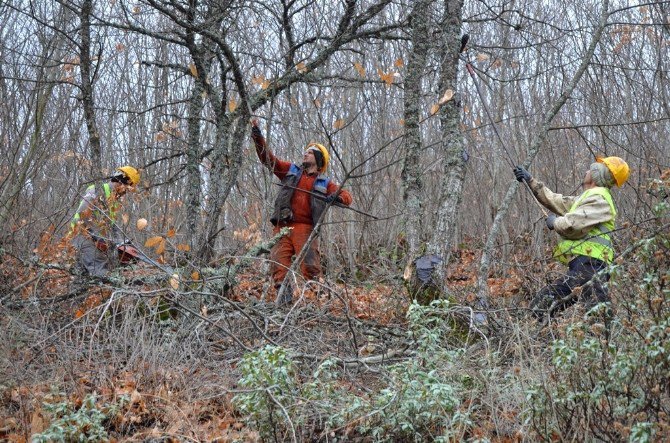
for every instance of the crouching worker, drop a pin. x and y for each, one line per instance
(93, 227)
(303, 197)
(585, 224)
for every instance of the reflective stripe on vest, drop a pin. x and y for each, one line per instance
(107, 189)
(597, 243)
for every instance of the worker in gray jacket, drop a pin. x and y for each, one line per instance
(94, 231)
(585, 224)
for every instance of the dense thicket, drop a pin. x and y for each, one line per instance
(169, 86)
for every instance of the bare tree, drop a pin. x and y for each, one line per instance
(413, 190)
(452, 143)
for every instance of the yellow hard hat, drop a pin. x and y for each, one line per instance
(618, 167)
(324, 152)
(132, 174)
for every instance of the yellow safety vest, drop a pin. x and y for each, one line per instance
(597, 243)
(112, 206)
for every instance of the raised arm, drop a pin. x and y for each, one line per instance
(265, 155)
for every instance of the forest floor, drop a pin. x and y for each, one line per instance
(59, 346)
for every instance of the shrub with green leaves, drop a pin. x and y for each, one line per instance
(613, 383)
(274, 399)
(421, 401)
(269, 377)
(69, 423)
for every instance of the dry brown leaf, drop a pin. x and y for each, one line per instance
(408, 272)
(232, 105)
(339, 123)
(193, 69)
(170, 233)
(153, 241)
(183, 247)
(399, 63)
(386, 77)
(125, 218)
(448, 95)
(301, 67)
(195, 275)
(360, 69)
(174, 281)
(37, 422)
(141, 223)
(434, 109)
(161, 247)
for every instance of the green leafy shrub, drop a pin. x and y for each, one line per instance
(422, 399)
(69, 423)
(419, 400)
(613, 383)
(269, 376)
(276, 401)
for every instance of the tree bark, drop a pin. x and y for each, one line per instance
(87, 99)
(411, 171)
(451, 188)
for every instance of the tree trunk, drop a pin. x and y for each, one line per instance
(15, 179)
(451, 187)
(411, 171)
(193, 191)
(87, 98)
(231, 145)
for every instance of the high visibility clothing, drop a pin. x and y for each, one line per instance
(592, 211)
(598, 242)
(94, 230)
(291, 245)
(296, 209)
(89, 199)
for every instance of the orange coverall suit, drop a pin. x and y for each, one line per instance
(302, 222)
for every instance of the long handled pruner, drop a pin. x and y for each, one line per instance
(471, 71)
(321, 197)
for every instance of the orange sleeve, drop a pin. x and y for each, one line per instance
(278, 167)
(345, 196)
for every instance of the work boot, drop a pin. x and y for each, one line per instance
(285, 295)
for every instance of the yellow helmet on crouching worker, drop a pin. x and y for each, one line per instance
(132, 174)
(618, 167)
(324, 153)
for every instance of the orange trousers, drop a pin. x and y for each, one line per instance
(290, 245)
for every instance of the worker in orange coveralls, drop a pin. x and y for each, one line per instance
(298, 210)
